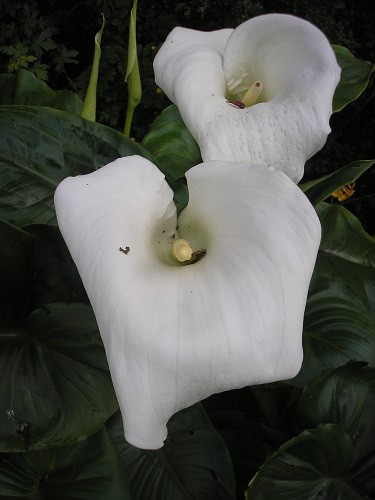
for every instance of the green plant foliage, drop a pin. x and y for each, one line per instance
(171, 144)
(193, 464)
(316, 464)
(28, 39)
(53, 274)
(132, 76)
(345, 396)
(15, 248)
(339, 320)
(89, 105)
(320, 189)
(39, 147)
(88, 470)
(55, 384)
(355, 77)
(61, 435)
(25, 88)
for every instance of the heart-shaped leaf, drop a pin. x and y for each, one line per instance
(88, 470)
(345, 396)
(339, 322)
(193, 464)
(39, 147)
(55, 384)
(315, 464)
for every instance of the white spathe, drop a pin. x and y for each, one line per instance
(297, 68)
(175, 334)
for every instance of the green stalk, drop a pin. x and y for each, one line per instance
(89, 104)
(132, 76)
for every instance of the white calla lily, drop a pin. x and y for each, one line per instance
(288, 59)
(176, 331)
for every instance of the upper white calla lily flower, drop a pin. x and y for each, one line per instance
(280, 69)
(212, 305)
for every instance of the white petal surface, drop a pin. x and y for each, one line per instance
(299, 73)
(177, 334)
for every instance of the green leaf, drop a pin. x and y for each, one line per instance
(355, 76)
(15, 250)
(88, 470)
(39, 147)
(343, 236)
(25, 88)
(53, 274)
(313, 465)
(55, 384)
(171, 144)
(339, 320)
(193, 464)
(89, 104)
(345, 396)
(320, 189)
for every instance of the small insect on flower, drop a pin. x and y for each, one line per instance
(344, 192)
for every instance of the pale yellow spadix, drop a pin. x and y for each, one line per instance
(181, 250)
(252, 95)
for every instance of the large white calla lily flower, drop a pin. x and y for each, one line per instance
(212, 305)
(280, 69)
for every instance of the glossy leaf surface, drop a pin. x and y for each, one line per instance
(345, 396)
(171, 144)
(55, 384)
(355, 76)
(193, 464)
(339, 320)
(39, 147)
(313, 465)
(25, 88)
(88, 470)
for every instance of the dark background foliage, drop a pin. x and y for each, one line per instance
(55, 41)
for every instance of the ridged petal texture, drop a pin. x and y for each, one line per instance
(297, 67)
(175, 334)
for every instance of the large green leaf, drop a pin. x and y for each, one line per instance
(194, 463)
(53, 274)
(355, 76)
(340, 312)
(25, 88)
(39, 147)
(316, 464)
(171, 144)
(89, 470)
(55, 383)
(15, 250)
(319, 189)
(345, 396)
